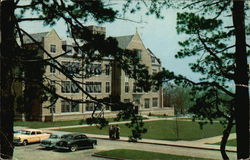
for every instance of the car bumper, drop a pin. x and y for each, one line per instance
(16, 141)
(47, 145)
(61, 147)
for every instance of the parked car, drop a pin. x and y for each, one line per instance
(30, 136)
(53, 139)
(74, 142)
(16, 131)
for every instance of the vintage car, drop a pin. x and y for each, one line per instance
(74, 142)
(53, 139)
(30, 136)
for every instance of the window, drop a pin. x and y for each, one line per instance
(33, 133)
(94, 69)
(138, 53)
(71, 67)
(52, 69)
(53, 85)
(69, 50)
(154, 89)
(155, 102)
(126, 87)
(69, 106)
(136, 88)
(137, 101)
(94, 87)
(69, 87)
(107, 87)
(107, 69)
(126, 100)
(89, 106)
(53, 48)
(146, 102)
(154, 71)
(78, 137)
(74, 107)
(53, 109)
(153, 59)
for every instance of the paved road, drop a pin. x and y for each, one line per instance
(35, 152)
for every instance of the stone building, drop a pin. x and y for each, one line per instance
(107, 80)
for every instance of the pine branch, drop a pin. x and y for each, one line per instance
(208, 84)
(31, 19)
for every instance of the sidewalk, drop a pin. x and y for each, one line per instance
(198, 144)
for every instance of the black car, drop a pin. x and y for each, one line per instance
(74, 142)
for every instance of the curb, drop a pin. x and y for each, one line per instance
(174, 145)
(100, 156)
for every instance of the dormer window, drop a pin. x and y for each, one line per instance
(53, 48)
(153, 59)
(69, 50)
(138, 53)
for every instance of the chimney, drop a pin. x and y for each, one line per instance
(97, 30)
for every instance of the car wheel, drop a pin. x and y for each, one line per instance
(92, 145)
(73, 148)
(25, 142)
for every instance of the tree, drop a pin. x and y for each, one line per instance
(177, 96)
(220, 63)
(18, 58)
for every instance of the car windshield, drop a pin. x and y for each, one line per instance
(67, 137)
(17, 131)
(54, 136)
(25, 132)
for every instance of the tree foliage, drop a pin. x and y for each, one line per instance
(220, 63)
(28, 59)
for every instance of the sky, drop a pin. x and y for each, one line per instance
(159, 35)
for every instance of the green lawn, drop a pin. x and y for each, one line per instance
(164, 130)
(143, 155)
(36, 124)
(231, 142)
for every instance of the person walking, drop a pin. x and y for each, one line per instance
(111, 132)
(117, 132)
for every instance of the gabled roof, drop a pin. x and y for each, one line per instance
(153, 55)
(37, 36)
(123, 41)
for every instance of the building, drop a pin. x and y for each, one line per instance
(108, 79)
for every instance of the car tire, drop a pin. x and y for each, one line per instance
(73, 148)
(25, 142)
(92, 146)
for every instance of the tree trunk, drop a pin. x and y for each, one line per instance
(7, 98)
(241, 81)
(224, 139)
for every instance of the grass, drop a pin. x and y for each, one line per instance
(163, 130)
(37, 124)
(143, 155)
(231, 142)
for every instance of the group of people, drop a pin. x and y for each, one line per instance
(114, 132)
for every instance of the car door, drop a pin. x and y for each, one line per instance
(85, 140)
(33, 137)
(77, 140)
(40, 136)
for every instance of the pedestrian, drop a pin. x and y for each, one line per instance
(111, 128)
(117, 132)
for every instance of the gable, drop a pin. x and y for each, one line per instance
(53, 33)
